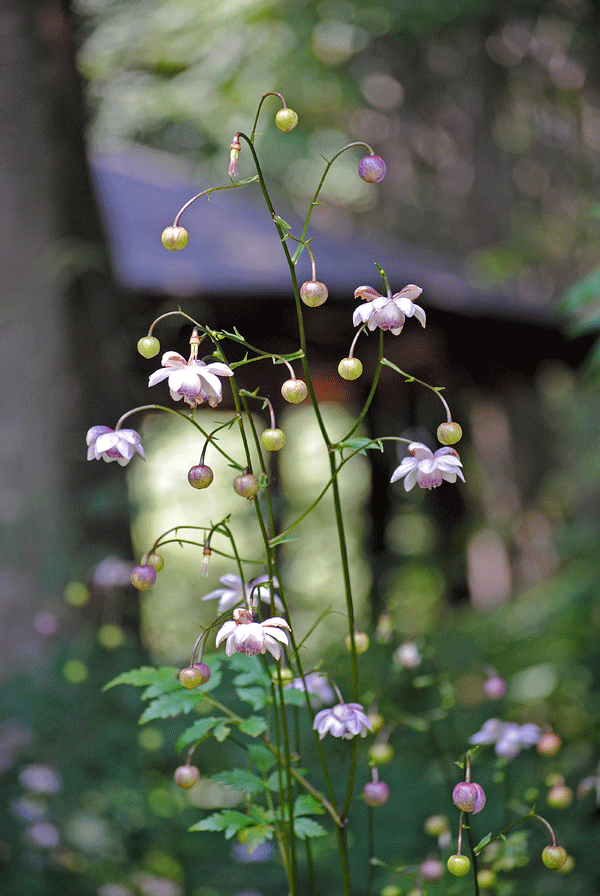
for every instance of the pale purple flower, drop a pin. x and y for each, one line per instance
(343, 720)
(387, 312)
(109, 444)
(407, 655)
(509, 738)
(317, 686)
(192, 380)
(428, 469)
(233, 593)
(243, 635)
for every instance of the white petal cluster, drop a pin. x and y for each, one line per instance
(107, 444)
(387, 312)
(428, 469)
(509, 738)
(193, 380)
(343, 720)
(242, 635)
(233, 593)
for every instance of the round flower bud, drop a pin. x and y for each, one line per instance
(148, 346)
(313, 293)
(459, 865)
(186, 776)
(494, 687)
(200, 476)
(294, 391)
(554, 857)
(350, 368)
(560, 796)
(174, 238)
(154, 560)
(390, 890)
(376, 721)
(143, 577)
(449, 433)
(469, 797)
(246, 485)
(361, 642)
(192, 676)
(286, 120)
(436, 825)
(549, 744)
(272, 439)
(486, 878)
(376, 793)
(287, 676)
(372, 169)
(381, 753)
(568, 866)
(431, 869)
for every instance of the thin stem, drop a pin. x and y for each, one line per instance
(413, 379)
(474, 856)
(210, 190)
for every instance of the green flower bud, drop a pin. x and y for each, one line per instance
(174, 238)
(148, 346)
(286, 120)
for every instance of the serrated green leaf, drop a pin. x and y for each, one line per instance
(196, 731)
(144, 676)
(362, 445)
(222, 731)
(253, 726)
(169, 705)
(261, 758)
(228, 820)
(255, 835)
(255, 696)
(272, 782)
(307, 827)
(239, 779)
(306, 804)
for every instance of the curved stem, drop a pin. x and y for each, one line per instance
(413, 379)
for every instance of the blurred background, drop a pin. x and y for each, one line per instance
(113, 115)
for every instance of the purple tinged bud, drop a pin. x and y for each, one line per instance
(372, 169)
(376, 793)
(469, 797)
(143, 577)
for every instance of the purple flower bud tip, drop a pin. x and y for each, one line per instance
(469, 797)
(372, 169)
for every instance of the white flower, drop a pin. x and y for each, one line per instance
(343, 720)
(509, 737)
(246, 636)
(233, 593)
(388, 313)
(192, 380)
(317, 686)
(108, 444)
(428, 469)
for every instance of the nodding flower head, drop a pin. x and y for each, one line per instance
(193, 380)
(428, 469)
(343, 720)
(243, 635)
(387, 312)
(233, 593)
(107, 444)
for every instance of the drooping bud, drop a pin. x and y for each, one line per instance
(361, 642)
(449, 433)
(174, 238)
(286, 120)
(246, 485)
(469, 797)
(350, 368)
(148, 346)
(554, 857)
(294, 391)
(458, 865)
(156, 561)
(372, 169)
(192, 676)
(186, 776)
(200, 476)
(376, 793)
(143, 577)
(272, 439)
(313, 293)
